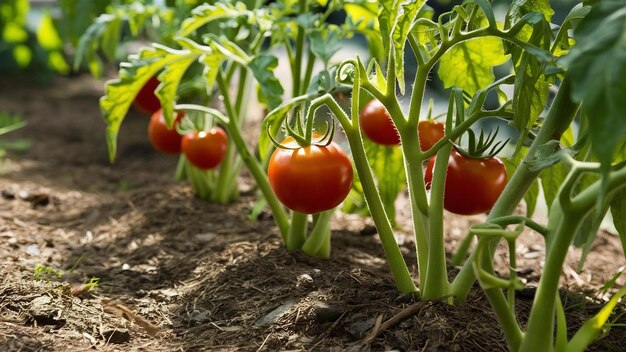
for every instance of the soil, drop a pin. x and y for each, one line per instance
(179, 274)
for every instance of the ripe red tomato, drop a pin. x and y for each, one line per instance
(377, 124)
(205, 149)
(162, 138)
(430, 132)
(146, 101)
(472, 185)
(310, 179)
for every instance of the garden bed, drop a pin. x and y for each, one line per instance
(177, 273)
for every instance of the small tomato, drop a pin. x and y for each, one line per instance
(205, 149)
(430, 132)
(146, 101)
(310, 179)
(162, 138)
(377, 124)
(472, 185)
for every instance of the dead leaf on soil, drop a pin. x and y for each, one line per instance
(118, 309)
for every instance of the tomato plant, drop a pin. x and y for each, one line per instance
(462, 46)
(146, 101)
(233, 45)
(377, 124)
(473, 185)
(310, 179)
(205, 149)
(548, 151)
(162, 137)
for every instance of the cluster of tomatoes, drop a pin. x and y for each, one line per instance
(472, 186)
(203, 149)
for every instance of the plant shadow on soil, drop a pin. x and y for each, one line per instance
(181, 274)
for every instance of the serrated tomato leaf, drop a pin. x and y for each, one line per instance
(469, 65)
(120, 93)
(597, 66)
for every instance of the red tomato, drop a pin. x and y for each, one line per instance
(377, 124)
(146, 101)
(162, 138)
(205, 149)
(472, 185)
(430, 132)
(310, 179)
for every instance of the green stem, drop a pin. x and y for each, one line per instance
(504, 313)
(400, 272)
(223, 192)
(324, 252)
(593, 327)
(540, 322)
(320, 234)
(512, 273)
(308, 73)
(256, 169)
(297, 231)
(297, 65)
(181, 168)
(436, 284)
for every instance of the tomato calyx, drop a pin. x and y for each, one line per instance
(323, 141)
(484, 147)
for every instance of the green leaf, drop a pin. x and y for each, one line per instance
(110, 37)
(378, 78)
(362, 14)
(423, 32)
(206, 13)
(530, 92)
(551, 180)
(386, 19)
(170, 79)
(388, 166)
(228, 48)
(400, 34)
(14, 33)
(325, 42)
(531, 197)
(597, 66)
(520, 8)
(77, 16)
(120, 93)
(47, 35)
(469, 65)
(89, 43)
(263, 67)
(22, 55)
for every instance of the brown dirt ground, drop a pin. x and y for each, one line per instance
(177, 273)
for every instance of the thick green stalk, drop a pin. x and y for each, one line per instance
(560, 116)
(320, 234)
(222, 191)
(308, 73)
(400, 272)
(297, 64)
(297, 231)
(256, 169)
(541, 320)
(415, 179)
(436, 284)
(181, 168)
